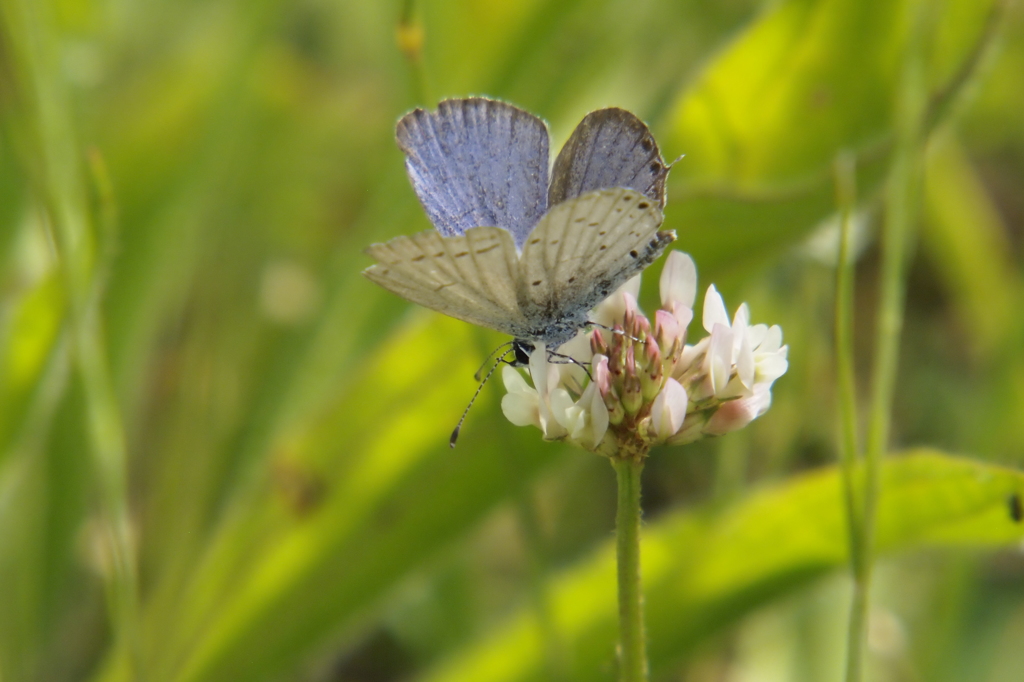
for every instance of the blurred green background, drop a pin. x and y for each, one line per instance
(223, 453)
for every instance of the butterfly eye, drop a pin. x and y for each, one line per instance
(522, 349)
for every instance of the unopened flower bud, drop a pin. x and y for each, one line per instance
(670, 360)
(641, 327)
(632, 391)
(602, 377)
(616, 411)
(598, 346)
(651, 376)
(735, 414)
(615, 353)
(629, 317)
(666, 328)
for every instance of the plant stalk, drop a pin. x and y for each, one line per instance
(632, 645)
(846, 199)
(901, 200)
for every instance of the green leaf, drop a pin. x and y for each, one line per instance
(969, 245)
(352, 501)
(704, 569)
(761, 125)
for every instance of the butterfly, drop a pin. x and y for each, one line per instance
(511, 251)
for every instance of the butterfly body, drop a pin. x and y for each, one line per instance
(501, 257)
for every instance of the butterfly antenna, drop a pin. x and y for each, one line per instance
(458, 427)
(490, 355)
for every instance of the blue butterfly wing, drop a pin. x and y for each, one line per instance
(477, 162)
(609, 148)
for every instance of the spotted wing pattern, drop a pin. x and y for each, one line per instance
(609, 148)
(471, 277)
(584, 249)
(477, 162)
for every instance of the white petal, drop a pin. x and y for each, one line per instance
(678, 280)
(570, 374)
(598, 414)
(545, 378)
(772, 340)
(740, 323)
(735, 389)
(514, 381)
(745, 362)
(762, 399)
(577, 425)
(742, 316)
(691, 354)
(522, 409)
(714, 310)
(561, 405)
(539, 369)
(718, 361)
(669, 409)
(757, 333)
(771, 367)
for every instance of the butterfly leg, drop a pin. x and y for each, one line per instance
(568, 360)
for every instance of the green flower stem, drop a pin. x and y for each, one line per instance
(902, 191)
(632, 647)
(846, 199)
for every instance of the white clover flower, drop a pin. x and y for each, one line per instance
(550, 407)
(646, 385)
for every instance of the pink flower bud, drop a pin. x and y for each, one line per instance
(682, 313)
(615, 354)
(666, 328)
(602, 377)
(616, 412)
(735, 414)
(629, 364)
(641, 327)
(629, 316)
(652, 354)
(732, 415)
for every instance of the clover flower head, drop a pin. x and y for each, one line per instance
(646, 385)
